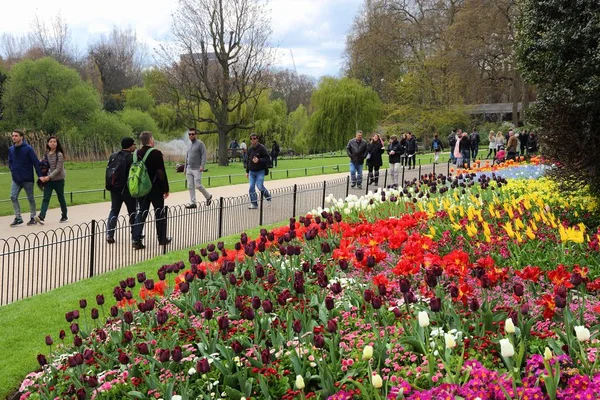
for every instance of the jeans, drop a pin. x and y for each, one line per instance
(374, 175)
(274, 160)
(194, 181)
(257, 178)
(59, 188)
(436, 157)
(14, 196)
(356, 170)
(411, 159)
(452, 158)
(395, 169)
(117, 198)
(465, 158)
(160, 216)
(474, 152)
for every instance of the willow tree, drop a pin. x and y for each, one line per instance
(341, 107)
(223, 52)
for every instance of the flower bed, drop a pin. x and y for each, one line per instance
(465, 287)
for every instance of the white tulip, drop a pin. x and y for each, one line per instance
(367, 353)
(450, 341)
(547, 354)
(509, 326)
(506, 348)
(423, 319)
(299, 382)
(376, 381)
(583, 333)
(176, 397)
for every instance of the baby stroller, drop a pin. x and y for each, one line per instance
(500, 155)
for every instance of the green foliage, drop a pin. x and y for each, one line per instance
(44, 95)
(298, 124)
(138, 121)
(558, 51)
(108, 126)
(138, 98)
(165, 116)
(342, 106)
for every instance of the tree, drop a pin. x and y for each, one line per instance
(342, 106)
(3, 79)
(138, 98)
(558, 50)
(45, 95)
(294, 89)
(54, 40)
(223, 54)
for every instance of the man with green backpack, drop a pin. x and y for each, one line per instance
(148, 183)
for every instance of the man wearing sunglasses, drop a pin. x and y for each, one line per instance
(194, 166)
(258, 166)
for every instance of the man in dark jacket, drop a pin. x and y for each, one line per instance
(257, 168)
(274, 153)
(411, 150)
(464, 146)
(451, 144)
(21, 162)
(119, 192)
(474, 139)
(395, 152)
(357, 151)
(523, 138)
(155, 165)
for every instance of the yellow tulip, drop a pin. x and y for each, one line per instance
(529, 233)
(519, 224)
(432, 231)
(509, 230)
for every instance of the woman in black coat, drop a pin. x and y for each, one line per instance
(375, 149)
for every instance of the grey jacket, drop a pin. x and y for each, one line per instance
(196, 155)
(56, 171)
(357, 151)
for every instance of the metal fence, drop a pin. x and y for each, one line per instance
(39, 262)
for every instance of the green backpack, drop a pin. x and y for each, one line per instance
(138, 181)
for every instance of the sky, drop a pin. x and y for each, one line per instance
(314, 30)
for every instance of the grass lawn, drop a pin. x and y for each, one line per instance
(25, 323)
(89, 176)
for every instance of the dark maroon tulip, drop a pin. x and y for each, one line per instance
(77, 341)
(127, 336)
(203, 366)
(397, 312)
(101, 335)
(239, 303)
(69, 316)
(201, 274)
(95, 313)
(71, 362)
(177, 354)
(118, 293)
(162, 274)
(238, 246)
(270, 236)
(247, 275)
(114, 311)
(81, 394)
(454, 292)
(82, 303)
(88, 354)
(161, 317)
(42, 360)
(359, 254)
(561, 302)
(91, 381)
(123, 284)
(232, 279)
(128, 295)
(299, 286)
(382, 289)
(271, 278)
(297, 326)
(61, 334)
(437, 270)
(485, 282)
(329, 303)
(474, 304)
(371, 261)
(220, 245)
(189, 276)
(431, 279)
(213, 256)
(325, 248)
(128, 317)
(49, 341)
(265, 356)
(249, 250)
(74, 328)
(435, 303)
(368, 295)
(404, 285)
(248, 313)
(208, 313)
(141, 277)
(319, 341)
(343, 264)
(123, 358)
(223, 294)
(223, 323)
(410, 297)
(524, 308)
(332, 326)
(561, 291)
(198, 307)
(237, 347)
(210, 247)
(100, 299)
(377, 302)
(518, 289)
(260, 271)
(256, 302)
(261, 247)
(576, 279)
(184, 287)
(143, 349)
(130, 282)
(164, 355)
(336, 288)
(267, 306)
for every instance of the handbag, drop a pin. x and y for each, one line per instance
(368, 157)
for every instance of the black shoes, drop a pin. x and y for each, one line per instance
(63, 220)
(110, 240)
(353, 185)
(138, 246)
(17, 221)
(193, 205)
(31, 222)
(39, 220)
(359, 186)
(166, 241)
(209, 201)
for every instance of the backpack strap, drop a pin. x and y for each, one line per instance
(145, 155)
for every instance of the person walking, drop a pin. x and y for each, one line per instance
(436, 146)
(157, 173)
(195, 160)
(395, 154)
(403, 159)
(55, 180)
(244, 150)
(357, 151)
(411, 150)
(22, 160)
(523, 138)
(500, 140)
(374, 161)
(465, 147)
(491, 145)
(451, 145)
(117, 172)
(474, 139)
(511, 146)
(458, 158)
(258, 167)
(532, 144)
(274, 153)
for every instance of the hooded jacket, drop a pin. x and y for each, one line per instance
(21, 162)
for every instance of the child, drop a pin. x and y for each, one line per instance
(500, 155)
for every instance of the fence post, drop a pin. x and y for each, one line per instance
(324, 189)
(230, 184)
(92, 247)
(166, 217)
(434, 169)
(448, 173)
(419, 170)
(403, 167)
(71, 197)
(295, 197)
(221, 216)
(287, 172)
(347, 185)
(104, 194)
(322, 169)
(385, 178)
(305, 171)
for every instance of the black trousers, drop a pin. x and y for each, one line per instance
(160, 215)
(117, 198)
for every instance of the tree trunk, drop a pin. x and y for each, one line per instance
(222, 152)
(515, 98)
(526, 94)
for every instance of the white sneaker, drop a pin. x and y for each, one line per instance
(252, 207)
(269, 202)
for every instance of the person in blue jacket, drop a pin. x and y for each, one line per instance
(22, 160)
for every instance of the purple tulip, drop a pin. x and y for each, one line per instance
(61, 334)
(518, 289)
(128, 317)
(271, 278)
(248, 313)
(336, 288)
(100, 299)
(247, 275)
(319, 341)
(297, 326)
(239, 303)
(74, 328)
(141, 277)
(435, 304)
(223, 294)
(101, 335)
(343, 264)
(208, 313)
(265, 356)
(256, 302)
(329, 303)
(77, 341)
(237, 347)
(82, 303)
(127, 336)
(404, 285)
(377, 302)
(184, 287)
(332, 326)
(177, 354)
(382, 289)
(88, 354)
(223, 323)
(49, 341)
(143, 349)
(161, 317)
(267, 306)
(164, 355)
(260, 271)
(368, 295)
(94, 313)
(203, 366)
(474, 304)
